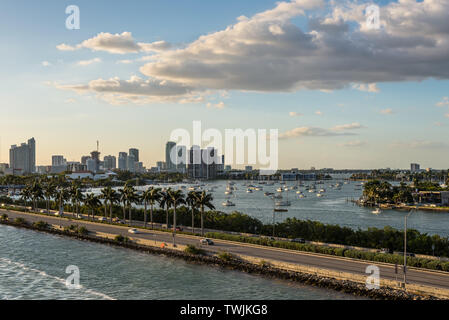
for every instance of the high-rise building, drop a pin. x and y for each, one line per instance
(110, 162)
(123, 161)
(57, 161)
(131, 163)
(168, 156)
(202, 163)
(23, 158)
(414, 167)
(135, 153)
(95, 155)
(84, 159)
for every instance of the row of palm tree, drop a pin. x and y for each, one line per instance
(62, 193)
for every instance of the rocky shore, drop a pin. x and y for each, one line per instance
(348, 287)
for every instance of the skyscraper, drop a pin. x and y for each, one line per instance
(95, 155)
(110, 162)
(57, 161)
(23, 158)
(123, 161)
(168, 160)
(134, 152)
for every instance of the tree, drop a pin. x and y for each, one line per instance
(76, 196)
(204, 200)
(61, 196)
(191, 201)
(36, 193)
(165, 203)
(149, 196)
(26, 194)
(109, 195)
(92, 202)
(49, 189)
(176, 198)
(132, 197)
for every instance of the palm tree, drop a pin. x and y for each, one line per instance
(92, 202)
(123, 198)
(62, 195)
(193, 204)
(165, 203)
(149, 196)
(132, 197)
(155, 195)
(49, 189)
(36, 193)
(176, 198)
(204, 200)
(26, 194)
(109, 195)
(76, 196)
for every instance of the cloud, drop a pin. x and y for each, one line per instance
(356, 143)
(370, 87)
(46, 63)
(386, 111)
(318, 113)
(350, 126)
(312, 132)
(135, 90)
(295, 114)
(84, 63)
(116, 43)
(125, 61)
(219, 105)
(419, 144)
(444, 102)
(269, 53)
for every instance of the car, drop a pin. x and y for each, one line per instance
(102, 219)
(133, 230)
(207, 242)
(298, 240)
(179, 229)
(78, 216)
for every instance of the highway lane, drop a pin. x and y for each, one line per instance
(422, 277)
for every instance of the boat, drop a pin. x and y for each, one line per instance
(322, 190)
(312, 190)
(377, 211)
(280, 210)
(302, 196)
(279, 190)
(228, 203)
(319, 195)
(268, 194)
(249, 191)
(228, 192)
(279, 196)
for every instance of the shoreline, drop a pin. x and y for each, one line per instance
(234, 263)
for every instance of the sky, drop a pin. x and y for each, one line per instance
(342, 93)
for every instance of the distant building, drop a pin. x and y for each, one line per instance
(58, 161)
(3, 167)
(168, 160)
(135, 153)
(76, 166)
(202, 163)
(249, 168)
(414, 167)
(92, 165)
(131, 165)
(227, 168)
(123, 161)
(109, 162)
(161, 165)
(22, 159)
(84, 159)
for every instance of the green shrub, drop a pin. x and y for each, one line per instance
(121, 239)
(20, 221)
(4, 217)
(226, 256)
(41, 225)
(83, 231)
(191, 249)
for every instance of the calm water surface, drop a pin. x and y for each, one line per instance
(33, 264)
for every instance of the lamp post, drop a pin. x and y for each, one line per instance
(405, 247)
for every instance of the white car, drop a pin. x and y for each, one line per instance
(102, 219)
(133, 231)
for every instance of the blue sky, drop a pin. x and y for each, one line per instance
(397, 123)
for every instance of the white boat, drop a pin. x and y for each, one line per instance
(302, 196)
(322, 190)
(279, 196)
(319, 195)
(377, 211)
(299, 192)
(228, 203)
(249, 191)
(312, 190)
(228, 192)
(279, 190)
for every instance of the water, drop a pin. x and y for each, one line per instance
(333, 208)
(33, 264)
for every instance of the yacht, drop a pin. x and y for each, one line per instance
(302, 196)
(249, 191)
(228, 203)
(319, 195)
(228, 192)
(268, 193)
(279, 190)
(376, 211)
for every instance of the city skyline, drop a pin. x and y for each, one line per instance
(130, 82)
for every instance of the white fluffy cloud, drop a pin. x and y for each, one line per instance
(116, 43)
(350, 126)
(84, 63)
(312, 132)
(295, 114)
(386, 111)
(352, 144)
(267, 52)
(444, 102)
(136, 90)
